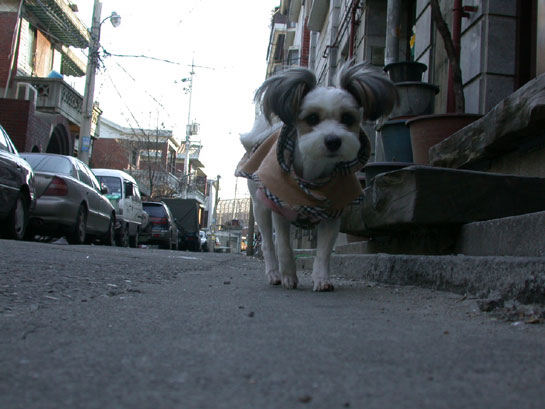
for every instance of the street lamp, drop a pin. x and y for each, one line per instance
(84, 140)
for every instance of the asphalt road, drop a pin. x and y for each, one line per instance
(107, 327)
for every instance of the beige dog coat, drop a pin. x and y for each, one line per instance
(304, 203)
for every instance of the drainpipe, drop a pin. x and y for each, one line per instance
(354, 6)
(457, 13)
(14, 47)
(334, 17)
(393, 18)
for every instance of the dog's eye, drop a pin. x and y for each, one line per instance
(312, 119)
(347, 119)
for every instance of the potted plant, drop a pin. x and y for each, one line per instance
(428, 130)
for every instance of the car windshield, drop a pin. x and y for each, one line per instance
(155, 210)
(113, 183)
(53, 164)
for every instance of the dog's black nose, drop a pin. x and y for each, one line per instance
(333, 143)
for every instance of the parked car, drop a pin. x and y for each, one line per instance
(17, 190)
(163, 229)
(124, 193)
(204, 241)
(70, 201)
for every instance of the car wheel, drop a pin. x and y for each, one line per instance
(123, 239)
(79, 233)
(133, 240)
(109, 236)
(18, 218)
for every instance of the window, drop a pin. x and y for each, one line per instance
(53, 164)
(134, 158)
(82, 175)
(3, 141)
(113, 183)
(92, 178)
(293, 57)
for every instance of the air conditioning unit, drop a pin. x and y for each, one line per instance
(26, 92)
(192, 129)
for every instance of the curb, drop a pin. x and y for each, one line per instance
(512, 278)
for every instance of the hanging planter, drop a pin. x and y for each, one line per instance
(429, 130)
(403, 71)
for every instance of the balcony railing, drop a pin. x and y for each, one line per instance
(56, 96)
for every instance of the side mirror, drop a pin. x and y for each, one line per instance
(104, 189)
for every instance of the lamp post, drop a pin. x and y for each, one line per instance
(190, 129)
(84, 140)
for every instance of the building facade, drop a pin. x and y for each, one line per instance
(38, 108)
(154, 157)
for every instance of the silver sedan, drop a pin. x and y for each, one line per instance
(70, 201)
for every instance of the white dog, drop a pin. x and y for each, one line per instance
(301, 159)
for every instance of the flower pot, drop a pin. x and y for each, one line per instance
(429, 130)
(405, 71)
(396, 141)
(376, 168)
(414, 98)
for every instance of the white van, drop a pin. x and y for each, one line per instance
(124, 194)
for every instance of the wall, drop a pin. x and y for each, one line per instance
(24, 128)
(7, 25)
(109, 154)
(488, 53)
(487, 57)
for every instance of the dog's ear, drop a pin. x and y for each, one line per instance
(282, 94)
(375, 93)
(364, 152)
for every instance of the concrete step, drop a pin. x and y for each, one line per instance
(511, 278)
(517, 236)
(520, 236)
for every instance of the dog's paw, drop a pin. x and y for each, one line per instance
(290, 282)
(273, 277)
(323, 285)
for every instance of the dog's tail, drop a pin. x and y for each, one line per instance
(260, 131)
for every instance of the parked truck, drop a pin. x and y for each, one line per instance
(186, 214)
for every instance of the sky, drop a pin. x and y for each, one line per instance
(226, 40)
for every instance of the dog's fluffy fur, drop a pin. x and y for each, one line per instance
(328, 131)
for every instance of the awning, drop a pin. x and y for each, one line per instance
(56, 19)
(71, 64)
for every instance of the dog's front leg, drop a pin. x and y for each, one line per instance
(327, 231)
(286, 260)
(264, 222)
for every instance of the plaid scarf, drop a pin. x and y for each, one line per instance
(304, 203)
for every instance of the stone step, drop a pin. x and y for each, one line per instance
(517, 236)
(359, 247)
(427, 196)
(521, 236)
(512, 278)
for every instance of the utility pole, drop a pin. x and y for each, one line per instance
(84, 140)
(188, 132)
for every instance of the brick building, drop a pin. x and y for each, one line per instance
(154, 157)
(38, 109)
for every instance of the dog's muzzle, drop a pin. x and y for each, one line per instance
(333, 143)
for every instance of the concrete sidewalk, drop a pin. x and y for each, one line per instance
(511, 278)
